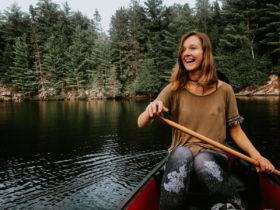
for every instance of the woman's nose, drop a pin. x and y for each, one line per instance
(186, 52)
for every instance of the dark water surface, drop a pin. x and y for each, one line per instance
(90, 154)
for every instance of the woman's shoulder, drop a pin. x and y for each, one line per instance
(166, 91)
(168, 88)
(225, 86)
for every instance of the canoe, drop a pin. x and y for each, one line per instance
(259, 191)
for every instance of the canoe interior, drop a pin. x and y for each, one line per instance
(257, 191)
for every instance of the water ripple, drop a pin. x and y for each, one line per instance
(47, 183)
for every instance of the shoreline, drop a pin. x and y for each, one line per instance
(136, 98)
(55, 98)
(272, 88)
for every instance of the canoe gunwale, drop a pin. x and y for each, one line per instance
(249, 184)
(138, 189)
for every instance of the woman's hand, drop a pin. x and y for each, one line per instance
(146, 118)
(265, 164)
(155, 107)
(245, 144)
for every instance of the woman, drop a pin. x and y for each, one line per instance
(196, 99)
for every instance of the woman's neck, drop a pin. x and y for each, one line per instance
(194, 76)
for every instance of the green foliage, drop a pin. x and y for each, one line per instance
(53, 63)
(147, 81)
(52, 50)
(23, 79)
(13, 24)
(77, 64)
(242, 70)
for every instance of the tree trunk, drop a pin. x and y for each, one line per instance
(38, 63)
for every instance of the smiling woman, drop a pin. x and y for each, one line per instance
(195, 69)
(192, 54)
(196, 99)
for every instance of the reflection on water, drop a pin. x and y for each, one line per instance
(90, 155)
(75, 155)
(262, 124)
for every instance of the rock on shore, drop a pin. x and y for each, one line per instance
(272, 88)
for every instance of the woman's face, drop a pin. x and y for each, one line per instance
(192, 54)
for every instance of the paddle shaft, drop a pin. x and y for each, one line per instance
(210, 141)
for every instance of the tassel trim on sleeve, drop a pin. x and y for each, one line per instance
(235, 121)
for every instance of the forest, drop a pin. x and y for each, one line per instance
(54, 52)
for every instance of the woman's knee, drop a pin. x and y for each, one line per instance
(180, 155)
(202, 158)
(176, 178)
(207, 168)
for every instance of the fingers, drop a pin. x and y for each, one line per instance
(264, 165)
(156, 107)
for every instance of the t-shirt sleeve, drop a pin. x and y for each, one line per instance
(232, 114)
(165, 96)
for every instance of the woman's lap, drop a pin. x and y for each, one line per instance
(210, 169)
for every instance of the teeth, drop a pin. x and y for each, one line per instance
(189, 61)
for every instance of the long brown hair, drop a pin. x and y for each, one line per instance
(180, 75)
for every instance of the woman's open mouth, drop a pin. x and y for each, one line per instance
(189, 60)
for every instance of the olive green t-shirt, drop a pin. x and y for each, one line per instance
(207, 115)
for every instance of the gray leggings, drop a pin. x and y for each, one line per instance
(211, 171)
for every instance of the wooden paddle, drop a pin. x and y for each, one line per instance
(210, 141)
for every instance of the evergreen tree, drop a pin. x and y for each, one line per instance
(100, 63)
(216, 25)
(147, 81)
(268, 33)
(76, 67)
(158, 19)
(2, 51)
(237, 45)
(102, 72)
(63, 50)
(24, 80)
(97, 22)
(119, 33)
(14, 23)
(53, 61)
(181, 22)
(36, 53)
(203, 16)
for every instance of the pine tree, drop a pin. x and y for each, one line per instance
(269, 33)
(147, 81)
(97, 22)
(181, 22)
(2, 51)
(203, 16)
(24, 80)
(13, 23)
(37, 53)
(77, 61)
(53, 62)
(103, 75)
(100, 61)
(237, 45)
(119, 33)
(216, 25)
(158, 19)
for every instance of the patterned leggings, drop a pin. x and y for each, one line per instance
(212, 172)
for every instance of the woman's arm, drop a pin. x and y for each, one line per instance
(245, 144)
(146, 118)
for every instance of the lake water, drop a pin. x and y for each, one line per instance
(91, 154)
